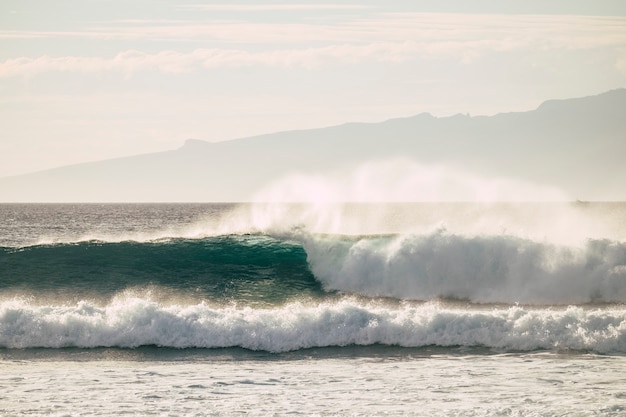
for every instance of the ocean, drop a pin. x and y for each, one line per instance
(423, 309)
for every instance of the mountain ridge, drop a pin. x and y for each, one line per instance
(574, 144)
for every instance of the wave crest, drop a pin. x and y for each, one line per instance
(484, 269)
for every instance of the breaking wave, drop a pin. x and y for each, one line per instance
(133, 322)
(482, 269)
(278, 289)
(244, 268)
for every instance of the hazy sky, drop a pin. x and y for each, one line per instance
(83, 80)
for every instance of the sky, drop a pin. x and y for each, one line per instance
(85, 80)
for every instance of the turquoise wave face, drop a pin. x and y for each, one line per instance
(248, 268)
(260, 269)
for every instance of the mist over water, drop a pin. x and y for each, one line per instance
(460, 237)
(404, 180)
(329, 264)
(396, 196)
(403, 197)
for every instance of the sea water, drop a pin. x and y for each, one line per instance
(339, 309)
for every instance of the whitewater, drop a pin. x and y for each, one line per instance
(319, 309)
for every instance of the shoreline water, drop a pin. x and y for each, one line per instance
(436, 384)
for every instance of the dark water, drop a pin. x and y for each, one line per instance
(244, 269)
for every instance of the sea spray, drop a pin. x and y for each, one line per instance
(402, 180)
(556, 222)
(560, 223)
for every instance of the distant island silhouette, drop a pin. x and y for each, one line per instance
(577, 145)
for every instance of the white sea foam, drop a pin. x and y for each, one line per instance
(132, 322)
(484, 269)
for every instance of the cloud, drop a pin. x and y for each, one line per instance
(173, 62)
(385, 37)
(620, 64)
(272, 7)
(552, 30)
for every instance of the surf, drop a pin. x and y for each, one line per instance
(130, 322)
(480, 269)
(275, 269)
(287, 277)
